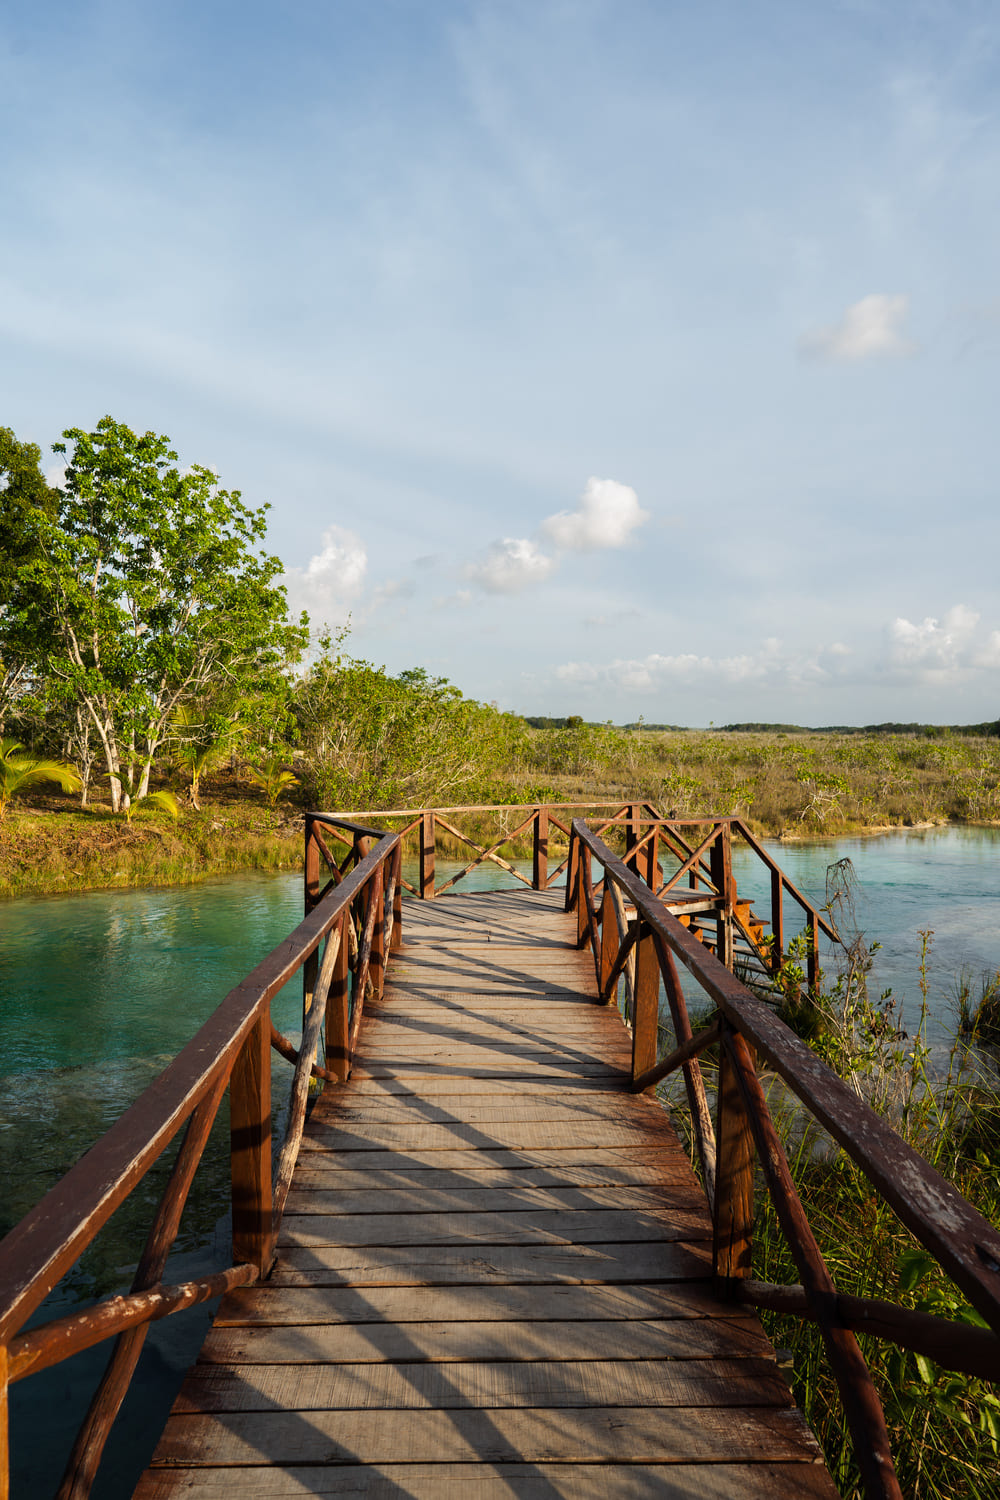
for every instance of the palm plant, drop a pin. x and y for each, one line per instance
(18, 772)
(201, 745)
(164, 800)
(272, 778)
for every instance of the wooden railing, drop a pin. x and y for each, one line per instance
(356, 920)
(673, 855)
(625, 924)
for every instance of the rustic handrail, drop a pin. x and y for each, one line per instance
(965, 1245)
(706, 863)
(232, 1050)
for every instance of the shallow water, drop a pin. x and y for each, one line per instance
(944, 880)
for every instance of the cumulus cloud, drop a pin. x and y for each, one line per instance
(333, 577)
(933, 644)
(870, 329)
(509, 566)
(607, 515)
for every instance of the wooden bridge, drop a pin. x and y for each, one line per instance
(484, 1261)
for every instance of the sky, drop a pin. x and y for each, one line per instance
(624, 360)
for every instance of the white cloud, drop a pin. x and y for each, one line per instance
(870, 329)
(333, 577)
(607, 515)
(510, 566)
(936, 645)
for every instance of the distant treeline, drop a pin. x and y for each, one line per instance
(574, 721)
(929, 731)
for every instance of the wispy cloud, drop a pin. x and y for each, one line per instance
(873, 328)
(607, 515)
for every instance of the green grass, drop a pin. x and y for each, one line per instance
(46, 851)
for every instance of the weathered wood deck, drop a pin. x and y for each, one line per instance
(493, 1274)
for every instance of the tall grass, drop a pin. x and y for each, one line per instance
(790, 784)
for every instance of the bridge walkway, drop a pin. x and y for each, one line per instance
(494, 1269)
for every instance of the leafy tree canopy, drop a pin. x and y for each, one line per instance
(145, 586)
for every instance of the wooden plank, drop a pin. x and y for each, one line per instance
(485, 1385)
(555, 1227)
(660, 1171)
(468, 1159)
(424, 1265)
(584, 1339)
(303, 1306)
(503, 1481)
(334, 1201)
(485, 1065)
(604, 1435)
(471, 1109)
(384, 1135)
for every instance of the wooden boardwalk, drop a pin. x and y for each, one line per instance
(493, 1275)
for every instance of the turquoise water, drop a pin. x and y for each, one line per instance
(99, 991)
(946, 880)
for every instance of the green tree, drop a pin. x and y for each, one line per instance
(146, 586)
(24, 496)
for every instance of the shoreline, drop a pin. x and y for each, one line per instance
(55, 850)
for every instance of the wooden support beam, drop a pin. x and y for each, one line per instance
(338, 1005)
(427, 856)
(250, 1147)
(645, 1019)
(540, 851)
(733, 1209)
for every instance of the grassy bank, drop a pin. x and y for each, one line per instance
(47, 850)
(784, 785)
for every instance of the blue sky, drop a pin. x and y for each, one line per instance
(607, 359)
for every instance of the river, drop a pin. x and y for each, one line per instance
(98, 991)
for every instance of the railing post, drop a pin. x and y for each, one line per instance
(582, 912)
(427, 856)
(4, 1426)
(632, 832)
(646, 1009)
(338, 1007)
(397, 902)
(733, 1210)
(573, 871)
(777, 920)
(310, 900)
(812, 960)
(540, 862)
(376, 965)
(721, 860)
(250, 1147)
(609, 937)
(653, 860)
